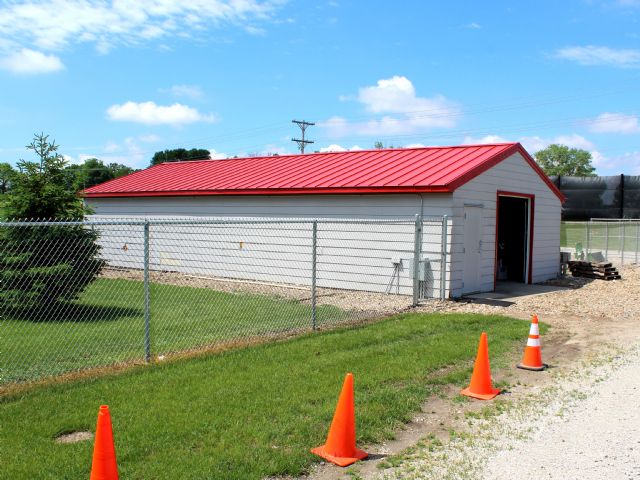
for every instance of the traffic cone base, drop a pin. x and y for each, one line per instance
(480, 396)
(533, 369)
(340, 461)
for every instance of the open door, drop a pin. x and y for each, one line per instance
(514, 235)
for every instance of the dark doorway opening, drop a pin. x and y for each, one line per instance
(513, 232)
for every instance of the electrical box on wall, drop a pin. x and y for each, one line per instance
(424, 269)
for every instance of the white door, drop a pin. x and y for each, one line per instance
(472, 248)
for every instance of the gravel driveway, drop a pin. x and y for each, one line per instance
(598, 438)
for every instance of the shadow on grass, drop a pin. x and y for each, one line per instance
(72, 312)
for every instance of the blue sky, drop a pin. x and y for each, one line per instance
(121, 80)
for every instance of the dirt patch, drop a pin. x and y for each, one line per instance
(74, 437)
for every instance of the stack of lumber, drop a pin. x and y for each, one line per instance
(600, 270)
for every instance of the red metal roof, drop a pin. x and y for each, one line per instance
(428, 169)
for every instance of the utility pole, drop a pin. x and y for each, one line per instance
(303, 126)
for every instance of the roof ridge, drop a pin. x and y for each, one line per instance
(366, 150)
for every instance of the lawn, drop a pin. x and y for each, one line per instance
(604, 237)
(106, 326)
(250, 412)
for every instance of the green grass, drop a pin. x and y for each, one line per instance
(251, 412)
(603, 237)
(106, 326)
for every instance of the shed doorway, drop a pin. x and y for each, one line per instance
(514, 235)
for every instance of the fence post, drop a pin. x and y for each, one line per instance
(637, 240)
(624, 235)
(147, 304)
(314, 249)
(606, 240)
(416, 259)
(443, 258)
(588, 240)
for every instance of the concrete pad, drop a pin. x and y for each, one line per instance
(506, 292)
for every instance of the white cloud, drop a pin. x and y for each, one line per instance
(339, 148)
(215, 155)
(534, 143)
(53, 25)
(149, 113)
(189, 91)
(415, 145)
(484, 140)
(30, 62)
(401, 109)
(615, 123)
(593, 55)
(333, 148)
(473, 26)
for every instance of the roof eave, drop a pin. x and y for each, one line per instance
(274, 192)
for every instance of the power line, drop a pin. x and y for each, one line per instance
(303, 126)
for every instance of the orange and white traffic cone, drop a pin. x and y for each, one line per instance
(480, 386)
(532, 358)
(104, 453)
(340, 447)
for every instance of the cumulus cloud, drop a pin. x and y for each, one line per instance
(149, 113)
(30, 62)
(339, 148)
(53, 25)
(615, 123)
(594, 55)
(215, 155)
(333, 148)
(484, 140)
(402, 111)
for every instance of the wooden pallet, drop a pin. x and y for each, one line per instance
(597, 270)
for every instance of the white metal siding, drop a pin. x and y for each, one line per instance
(349, 256)
(513, 174)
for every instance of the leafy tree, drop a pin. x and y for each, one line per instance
(378, 145)
(6, 174)
(43, 266)
(562, 160)
(179, 154)
(93, 172)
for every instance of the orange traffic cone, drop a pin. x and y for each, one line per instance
(340, 447)
(480, 386)
(104, 454)
(532, 359)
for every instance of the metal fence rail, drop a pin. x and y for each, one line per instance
(616, 241)
(105, 291)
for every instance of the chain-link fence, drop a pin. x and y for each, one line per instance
(102, 292)
(616, 241)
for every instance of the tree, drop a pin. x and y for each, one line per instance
(179, 155)
(562, 160)
(6, 174)
(43, 266)
(93, 172)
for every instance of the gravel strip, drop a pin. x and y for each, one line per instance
(599, 439)
(515, 439)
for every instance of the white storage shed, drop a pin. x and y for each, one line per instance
(503, 212)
